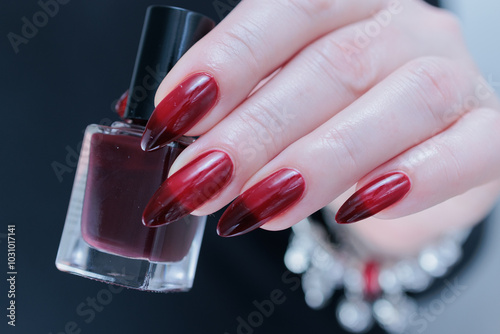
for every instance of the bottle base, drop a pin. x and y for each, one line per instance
(79, 258)
(123, 281)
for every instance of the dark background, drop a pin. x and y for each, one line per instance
(68, 76)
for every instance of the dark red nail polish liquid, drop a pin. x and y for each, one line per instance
(103, 236)
(120, 180)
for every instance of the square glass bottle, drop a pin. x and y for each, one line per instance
(103, 237)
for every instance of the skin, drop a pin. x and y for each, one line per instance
(406, 96)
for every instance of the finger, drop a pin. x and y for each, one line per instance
(441, 168)
(221, 70)
(279, 114)
(407, 108)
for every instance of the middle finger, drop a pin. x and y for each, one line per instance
(294, 103)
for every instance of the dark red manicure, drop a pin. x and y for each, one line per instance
(189, 188)
(376, 196)
(262, 202)
(180, 110)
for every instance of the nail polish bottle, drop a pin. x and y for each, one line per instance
(103, 236)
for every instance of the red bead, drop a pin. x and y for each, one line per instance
(370, 279)
(121, 104)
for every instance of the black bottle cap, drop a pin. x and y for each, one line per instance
(167, 34)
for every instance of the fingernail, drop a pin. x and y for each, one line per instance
(262, 202)
(376, 196)
(189, 188)
(180, 110)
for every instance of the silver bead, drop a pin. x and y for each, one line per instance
(411, 276)
(430, 262)
(449, 252)
(389, 282)
(355, 315)
(320, 258)
(318, 287)
(353, 282)
(296, 260)
(393, 315)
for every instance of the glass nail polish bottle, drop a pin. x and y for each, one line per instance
(103, 236)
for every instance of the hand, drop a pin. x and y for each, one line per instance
(298, 100)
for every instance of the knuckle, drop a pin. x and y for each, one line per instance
(488, 119)
(444, 27)
(312, 8)
(452, 164)
(265, 131)
(242, 42)
(434, 82)
(446, 21)
(494, 124)
(489, 116)
(353, 70)
(343, 147)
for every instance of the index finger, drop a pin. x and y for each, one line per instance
(254, 40)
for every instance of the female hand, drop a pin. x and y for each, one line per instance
(298, 100)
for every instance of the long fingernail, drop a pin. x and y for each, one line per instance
(376, 196)
(189, 188)
(180, 110)
(262, 202)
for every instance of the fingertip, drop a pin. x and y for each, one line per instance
(374, 197)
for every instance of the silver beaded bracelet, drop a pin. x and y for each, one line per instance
(374, 291)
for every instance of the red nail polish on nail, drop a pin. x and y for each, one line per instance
(262, 202)
(189, 188)
(121, 104)
(376, 196)
(180, 110)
